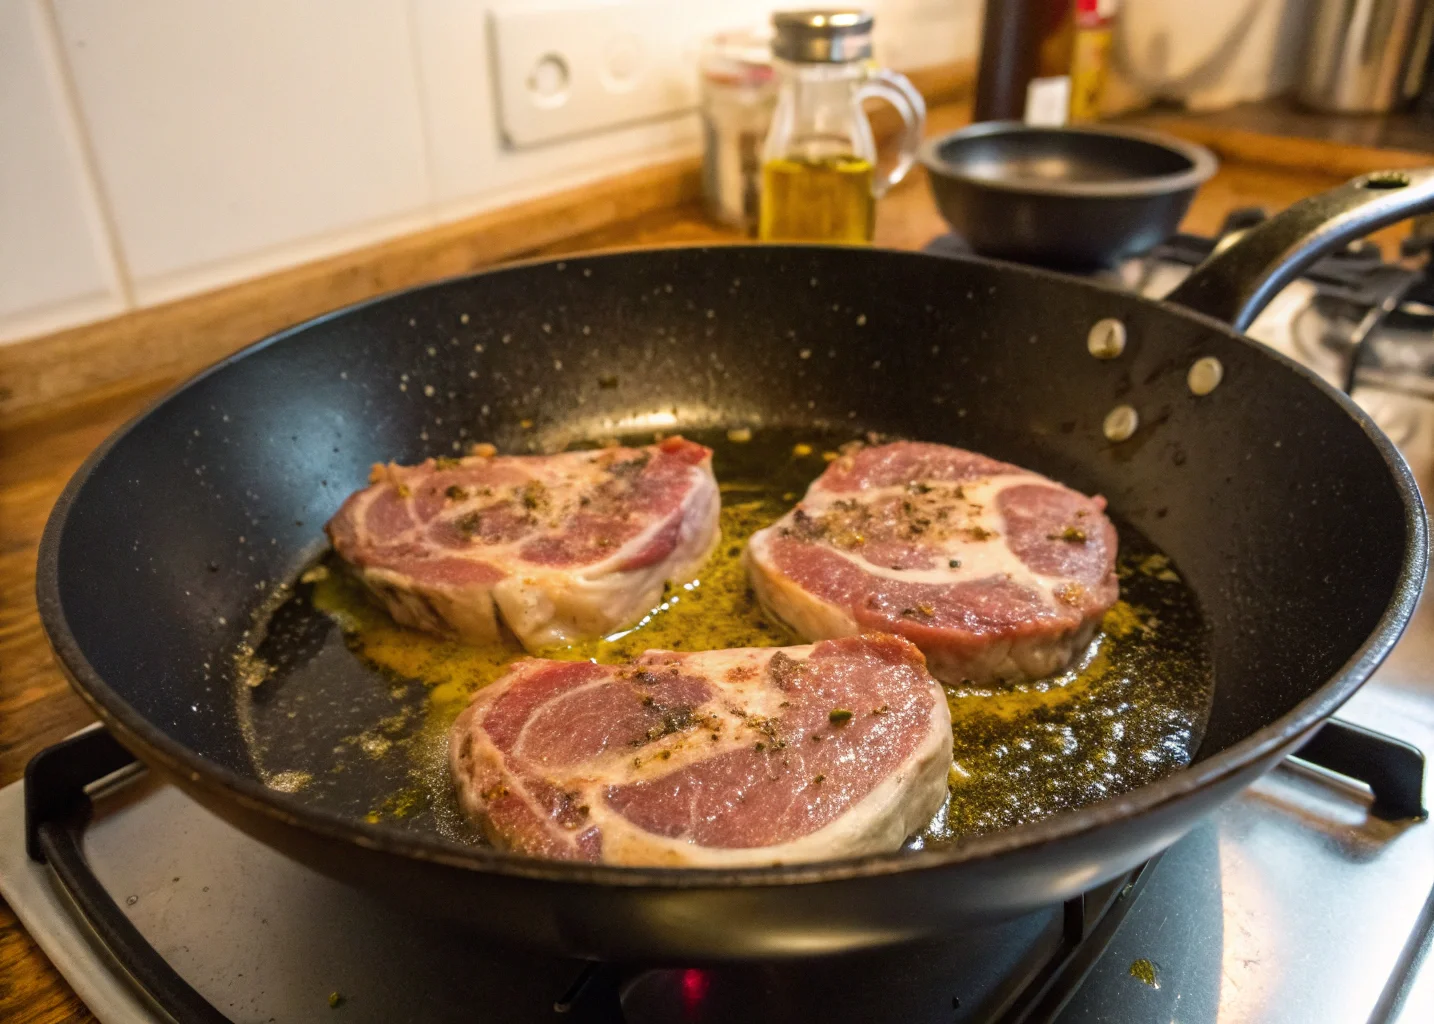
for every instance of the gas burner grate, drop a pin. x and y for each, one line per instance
(1359, 319)
(1025, 973)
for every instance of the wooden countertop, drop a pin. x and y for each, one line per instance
(43, 443)
(1279, 131)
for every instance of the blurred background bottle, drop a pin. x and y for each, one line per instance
(1090, 56)
(1025, 61)
(1043, 61)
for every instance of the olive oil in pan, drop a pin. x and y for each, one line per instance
(350, 711)
(1130, 711)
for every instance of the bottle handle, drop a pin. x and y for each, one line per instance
(897, 90)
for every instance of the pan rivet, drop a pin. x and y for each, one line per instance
(1106, 339)
(1205, 375)
(1120, 423)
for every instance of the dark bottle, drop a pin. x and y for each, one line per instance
(1025, 61)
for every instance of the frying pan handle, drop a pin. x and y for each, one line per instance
(1236, 282)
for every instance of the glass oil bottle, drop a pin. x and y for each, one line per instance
(820, 180)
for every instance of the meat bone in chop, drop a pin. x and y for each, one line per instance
(995, 572)
(719, 758)
(552, 548)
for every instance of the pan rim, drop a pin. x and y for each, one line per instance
(158, 748)
(1203, 163)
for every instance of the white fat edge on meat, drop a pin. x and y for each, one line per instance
(880, 821)
(553, 606)
(899, 805)
(445, 609)
(980, 559)
(489, 765)
(547, 607)
(734, 703)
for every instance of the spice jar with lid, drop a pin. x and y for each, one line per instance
(738, 89)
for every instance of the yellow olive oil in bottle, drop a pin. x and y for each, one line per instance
(819, 177)
(827, 199)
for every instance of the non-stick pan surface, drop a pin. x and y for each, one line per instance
(1291, 515)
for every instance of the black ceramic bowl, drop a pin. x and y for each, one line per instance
(1063, 197)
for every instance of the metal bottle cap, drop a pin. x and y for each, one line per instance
(831, 36)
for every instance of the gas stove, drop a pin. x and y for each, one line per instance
(1308, 899)
(1365, 325)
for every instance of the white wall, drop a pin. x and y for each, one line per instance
(1208, 55)
(150, 149)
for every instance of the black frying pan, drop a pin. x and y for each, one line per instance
(1292, 516)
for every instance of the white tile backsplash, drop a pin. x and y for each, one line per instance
(233, 138)
(225, 130)
(56, 267)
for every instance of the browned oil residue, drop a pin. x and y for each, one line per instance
(1147, 972)
(1130, 711)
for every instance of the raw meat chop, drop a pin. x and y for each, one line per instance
(995, 572)
(552, 548)
(720, 758)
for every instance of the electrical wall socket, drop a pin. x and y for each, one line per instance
(577, 66)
